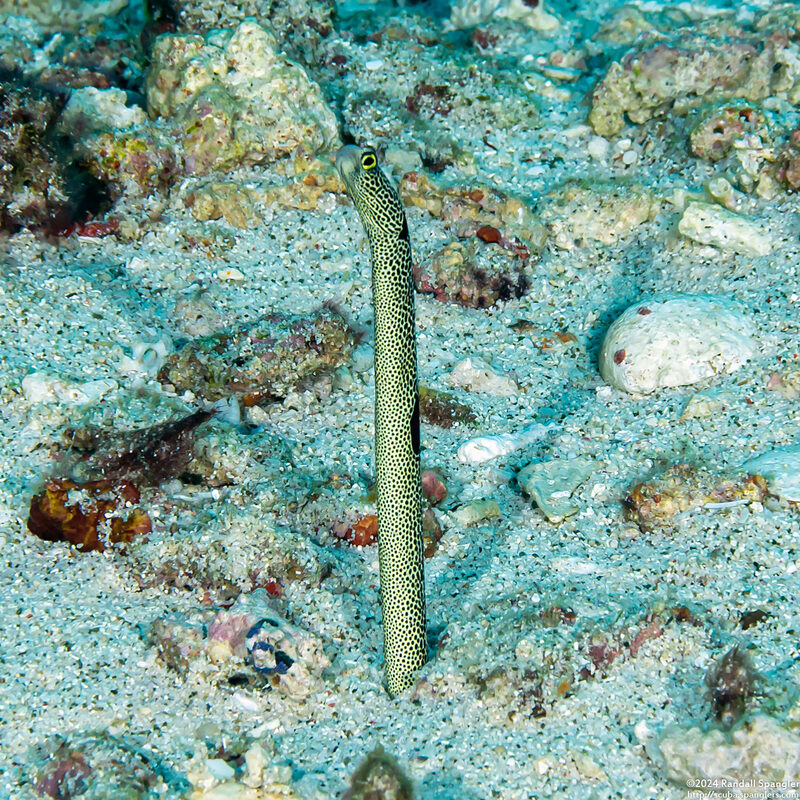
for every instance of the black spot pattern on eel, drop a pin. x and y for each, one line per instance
(397, 440)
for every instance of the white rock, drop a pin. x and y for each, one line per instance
(147, 358)
(780, 469)
(475, 375)
(675, 340)
(485, 448)
(466, 13)
(759, 749)
(38, 387)
(80, 393)
(89, 110)
(709, 223)
(41, 388)
(477, 511)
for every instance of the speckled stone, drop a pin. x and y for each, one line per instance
(675, 340)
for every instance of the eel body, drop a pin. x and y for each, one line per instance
(397, 439)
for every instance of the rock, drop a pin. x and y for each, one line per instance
(709, 223)
(91, 515)
(467, 13)
(228, 200)
(788, 166)
(443, 409)
(233, 99)
(477, 511)
(550, 484)
(780, 469)
(470, 209)
(461, 273)
(379, 777)
(603, 212)
(475, 375)
(719, 127)
(89, 110)
(655, 503)
(35, 185)
(263, 360)
(718, 58)
(135, 161)
(299, 25)
(94, 765)
(289, 657)
(760, 751)
(64, 15)
(675, 340)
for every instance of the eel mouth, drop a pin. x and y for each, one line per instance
(348, 162)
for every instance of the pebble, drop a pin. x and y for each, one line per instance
(551, 483)
(708, 223)
(475, 375)
(485, 448)
(374, 63)
(477, 511)
(780, 469)
(41, 388)
(675, 340)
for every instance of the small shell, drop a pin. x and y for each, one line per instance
(485, 448)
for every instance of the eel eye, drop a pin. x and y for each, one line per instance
(368, 160)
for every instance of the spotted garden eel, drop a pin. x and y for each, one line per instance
(396, 415)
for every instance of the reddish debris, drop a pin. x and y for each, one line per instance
(427, 100)
(433, 490)
(98, 513)
(489, 234)
(650, 631)
(361, 534)
(619, 356)
(66, 778)
(602, 655)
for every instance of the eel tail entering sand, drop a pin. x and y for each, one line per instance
(397, 463)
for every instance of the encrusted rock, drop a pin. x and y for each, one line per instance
(299, 25)
(476, 375)
(675, 340)
(232, 99)
(719, 59)
(468, 210)
(263, 360)
(89, 110)
(756, 753)
(230, 201)
(720, 127)
(460, 273)
(603, 212)
(91, 515)
(683, 486)
(34, 183)
(64, 15)
(135, 161)
(466, 13)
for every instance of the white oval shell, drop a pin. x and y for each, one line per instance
(675, 340)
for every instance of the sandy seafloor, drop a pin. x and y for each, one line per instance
(72, 653)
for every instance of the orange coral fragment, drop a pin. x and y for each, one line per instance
(89, 515)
